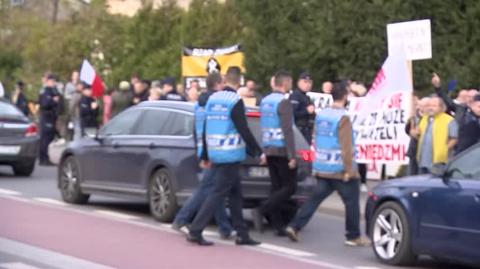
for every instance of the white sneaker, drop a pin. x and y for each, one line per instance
(363, 188)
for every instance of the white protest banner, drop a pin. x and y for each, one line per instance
(414, 37)
(379, 118)
(320, 100)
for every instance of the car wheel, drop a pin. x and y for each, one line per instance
(161, 196)
(390, 234)
(24, 169)
(69, 182)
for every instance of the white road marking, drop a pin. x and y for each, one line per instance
(115, 214)
(289, 251)
(44, 256)
(367, 267)
(9, 192)
(50, 201)
(17, 265)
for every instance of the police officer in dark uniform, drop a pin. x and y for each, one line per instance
(48, 101)
(170, 91)
(303, 108)
(226, 141)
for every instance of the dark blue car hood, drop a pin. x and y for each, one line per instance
(411, 181)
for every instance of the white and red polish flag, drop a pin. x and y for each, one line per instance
(89, 76)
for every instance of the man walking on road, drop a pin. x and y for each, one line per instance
(227, 140)
(334, 168)
(190, 208)
(279, 146)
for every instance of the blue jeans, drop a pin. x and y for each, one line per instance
(350, 194)
(193, 204)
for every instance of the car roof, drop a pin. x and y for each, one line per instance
(180, 105)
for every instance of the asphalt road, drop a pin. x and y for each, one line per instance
(38, 230)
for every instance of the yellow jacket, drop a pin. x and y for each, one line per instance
(440, 136)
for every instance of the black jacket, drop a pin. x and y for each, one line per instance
(240, 121)
(22, 103)
(173, 96)
(48, 106)
(468, 123)
(88, 116)
(468, 131)
(455, 110)
(300, 101)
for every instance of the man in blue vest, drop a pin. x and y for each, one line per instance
(278, 144)
(190, 208)
(334, 168)
(226, 142)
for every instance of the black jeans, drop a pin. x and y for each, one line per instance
(46, 137)
(362, 170)
(283, 186)
(227, 184)
(350, 194)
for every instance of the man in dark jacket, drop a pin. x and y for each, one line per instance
(279, 146)
(121, 98)
(170, 91)
(140, 92)
(467, 117)
(226, 142)
(303, 108)
(469, 131)
(48, 101)
(88, 112)
(193, 204)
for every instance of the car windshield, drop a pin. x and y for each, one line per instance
(466, 165)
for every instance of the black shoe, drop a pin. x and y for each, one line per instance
(199, 240)
(257, 218)
(225, 236)
(246, 242)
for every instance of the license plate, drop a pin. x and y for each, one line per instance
(9, 150)
(258, 172)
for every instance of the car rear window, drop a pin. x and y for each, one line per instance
(9, 111)
(254, 124)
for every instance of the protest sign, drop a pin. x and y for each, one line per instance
(379, 118)
(320, 100)
(197, 63)
(413, 37)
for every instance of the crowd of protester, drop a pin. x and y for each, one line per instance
(440, 128)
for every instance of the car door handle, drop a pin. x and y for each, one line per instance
(115, 145)
(151, 145)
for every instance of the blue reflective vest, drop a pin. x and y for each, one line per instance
(328, 152)
(272, 134)
(199, 127)
(224, 143)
